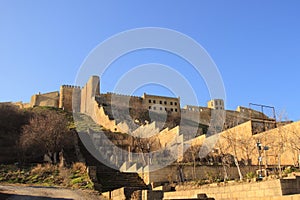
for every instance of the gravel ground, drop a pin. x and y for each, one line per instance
(17, 192)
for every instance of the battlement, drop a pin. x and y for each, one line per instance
(81, 99)
(70, 86)
(145, 96)
(195, 108)
(121, 95)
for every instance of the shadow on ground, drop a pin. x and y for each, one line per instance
(4, 196)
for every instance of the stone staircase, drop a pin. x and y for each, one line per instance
(108, 150)
(108, 178)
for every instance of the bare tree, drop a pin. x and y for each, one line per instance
(192, 155)
(233, 142)
(280, 142)
(11, 121)
(294, 143)
(247, 148)
(221, 151)
(47, 133)
(145, 146)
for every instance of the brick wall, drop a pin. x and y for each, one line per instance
(171, 173)
(237, 191)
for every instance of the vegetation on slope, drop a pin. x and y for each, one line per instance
(47, 175)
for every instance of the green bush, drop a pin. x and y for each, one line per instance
(289, 170)
(76, 181)
(250, 175)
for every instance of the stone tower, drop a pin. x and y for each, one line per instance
(88, 94)
(69, 98)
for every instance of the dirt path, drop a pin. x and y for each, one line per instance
(16, 192)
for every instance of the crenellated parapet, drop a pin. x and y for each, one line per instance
(69, 98)
(70, 86)
(122, 95)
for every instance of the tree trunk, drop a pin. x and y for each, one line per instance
(279, 165)
(194, 170)
(238, 168)
(225, 173)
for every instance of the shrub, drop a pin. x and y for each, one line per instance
(79, 167)
(250, 175)
(79, 177)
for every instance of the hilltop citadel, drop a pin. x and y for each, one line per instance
(171, 125)
(76, 99)
(168, 126)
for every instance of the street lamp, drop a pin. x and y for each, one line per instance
(259, 148)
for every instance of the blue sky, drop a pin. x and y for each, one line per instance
(255, 45)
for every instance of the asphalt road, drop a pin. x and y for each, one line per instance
(16, 192)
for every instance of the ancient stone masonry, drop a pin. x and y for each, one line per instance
(130, 112)
(69, 98)
(88, 94)
(131, 115)
(160, 103)
(46, 99)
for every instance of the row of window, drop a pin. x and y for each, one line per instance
(161, 102)
(161, 108)
(196, 109)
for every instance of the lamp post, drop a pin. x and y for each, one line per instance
(259, 148)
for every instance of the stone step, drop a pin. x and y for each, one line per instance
(109, 178)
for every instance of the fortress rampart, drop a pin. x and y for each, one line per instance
(69, 98)
(76, 99)
(245, 122)
(47, 99)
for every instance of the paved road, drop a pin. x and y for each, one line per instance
(16, 192)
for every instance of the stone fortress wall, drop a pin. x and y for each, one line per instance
(244, 132)
(47, 99)
(69, 98)
(74, 98)
(64, 99)
(160, 103)
(88, 100)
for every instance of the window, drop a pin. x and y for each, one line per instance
(175, 109)
(212, 103)
(165, 109)
(154, 108)
(171, 103)
(171, 109)
(149, 107)
(160, 108)
(175, 103)
(165, 102)
(216, 103)
(149, 100)
(154, 101)
(160, 102)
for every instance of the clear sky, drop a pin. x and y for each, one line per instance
(255, 45)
